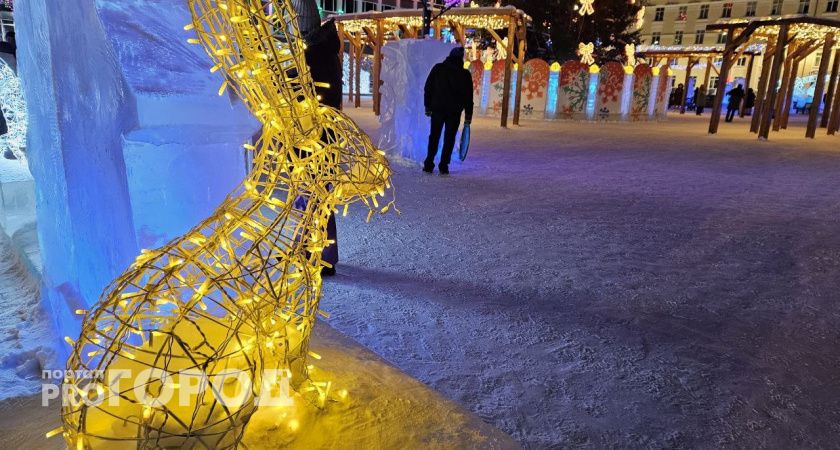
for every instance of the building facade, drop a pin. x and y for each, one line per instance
(670, 23)
(355, 6)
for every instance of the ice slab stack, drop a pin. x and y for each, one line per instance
(129, 143)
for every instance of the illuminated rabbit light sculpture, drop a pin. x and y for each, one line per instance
(237, 294)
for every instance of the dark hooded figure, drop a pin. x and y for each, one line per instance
(735, 97)
(448, 93)
(322, 47)
(749, 101)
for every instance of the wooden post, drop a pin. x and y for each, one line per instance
(795, 57)
(351, 77)
(341, 60)
(834, 120)
(760, 100)
(724, 72)
(786, 100)
(820, 87)
(377, 41)
(708, 75)
(690, 65)
(832, 87)
(520, 58)
(748, 84)
(360, 53)
(508, 63)
(779, 106)
(778, 58)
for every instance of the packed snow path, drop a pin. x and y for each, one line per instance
(613, 286)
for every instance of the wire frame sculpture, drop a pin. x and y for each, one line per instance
(238, 294)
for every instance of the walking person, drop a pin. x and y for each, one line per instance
(448, 93)
(734, 105)
(699, 99)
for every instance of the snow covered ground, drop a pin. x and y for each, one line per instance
(613, 286)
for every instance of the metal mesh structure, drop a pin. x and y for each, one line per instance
(237, 295)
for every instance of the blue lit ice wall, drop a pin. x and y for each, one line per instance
(79, 107)
(551, 101)
(129, 144)
(592, 95)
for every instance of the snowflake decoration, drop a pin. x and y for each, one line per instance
(586, 7)
(630, 53)
(529, 110)
(585, 51)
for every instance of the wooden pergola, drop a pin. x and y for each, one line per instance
(373, 29)
(788, 40)
(694, 55)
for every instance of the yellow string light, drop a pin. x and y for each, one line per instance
(240, 291)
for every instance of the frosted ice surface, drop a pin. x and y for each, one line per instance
(406, 65)
(129, 144)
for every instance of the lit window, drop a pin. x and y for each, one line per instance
(682, 15)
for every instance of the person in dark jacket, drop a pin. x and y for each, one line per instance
(749, 101)
(735, 97)
(448, 93)
(699, 99)
(322, 47)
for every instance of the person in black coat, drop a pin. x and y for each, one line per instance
(322, 47)
(448, 93)
(735, 97)
(749, 101)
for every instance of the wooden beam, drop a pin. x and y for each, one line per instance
(376, 41)
(351, 77)
(747, 84)
(832, 87)
(508, 81)
(834, 120)
(341, 45)
(789, 81)
(785, 91)
(690, 65)
(811, 130)
(360, 53)
(520, 61)
(499, 41)
(778, 58)
(760, 101)
(731, 48)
